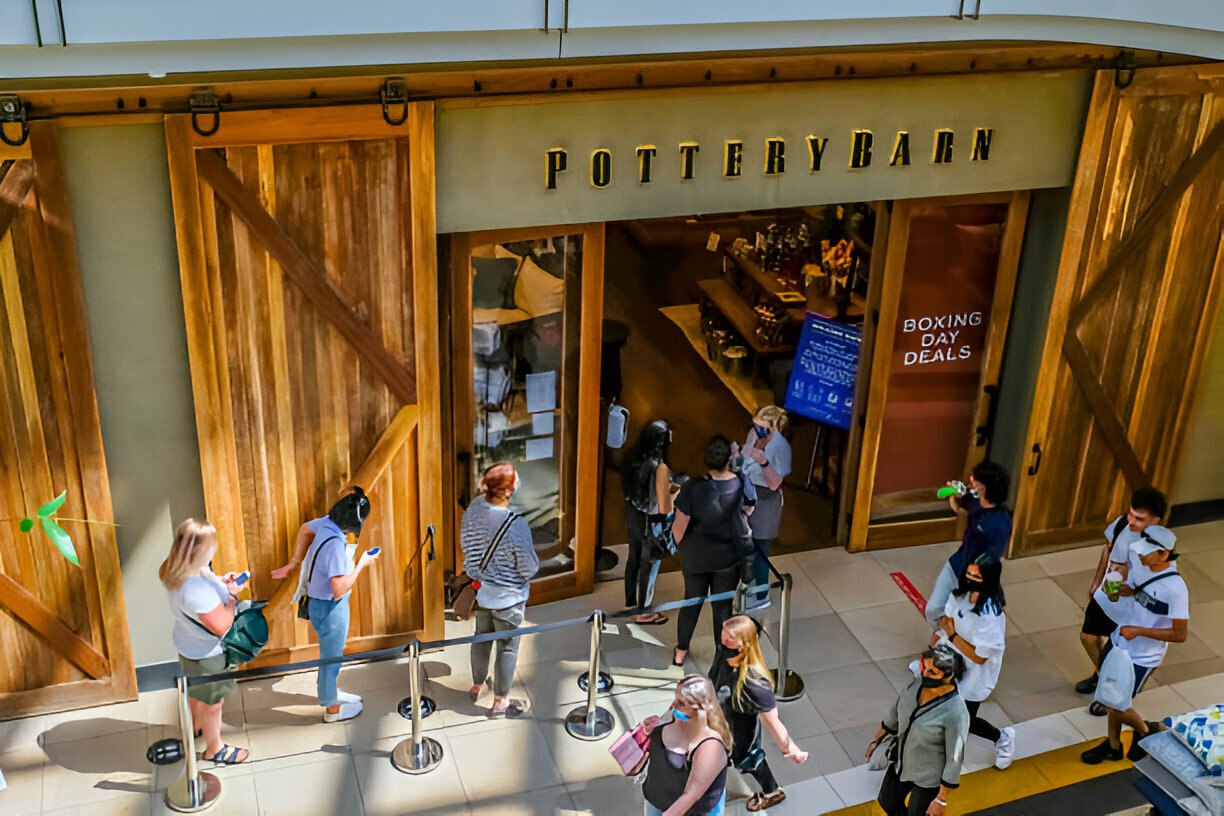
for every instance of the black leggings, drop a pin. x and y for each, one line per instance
(893, 794)
(639, 569)
(764, 777)
(698, 585)
(978, 726)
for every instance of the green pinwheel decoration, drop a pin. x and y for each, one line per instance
(50, 525)
(46, 516)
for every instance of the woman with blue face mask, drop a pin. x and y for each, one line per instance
(767, 461)
(686, 774)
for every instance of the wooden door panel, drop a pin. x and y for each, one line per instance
(1135, 299)
(301, 278)
(63, 626)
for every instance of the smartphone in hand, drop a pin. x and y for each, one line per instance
(243, 578)
(373, 553)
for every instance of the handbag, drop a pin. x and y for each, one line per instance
(660, 541)
(303, 602)
(884, 754)
(247, 635)
(632, 748)
(463, 587)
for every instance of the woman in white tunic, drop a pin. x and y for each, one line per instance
(974, 624)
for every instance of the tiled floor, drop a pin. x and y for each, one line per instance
(852, 636)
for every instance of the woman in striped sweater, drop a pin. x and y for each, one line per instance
(503, 577)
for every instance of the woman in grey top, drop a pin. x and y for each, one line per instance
(504, 580)
(767, 461)
(930, 723)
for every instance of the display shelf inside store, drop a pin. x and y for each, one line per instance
(750, 393)
(740, 315)
(819, 304)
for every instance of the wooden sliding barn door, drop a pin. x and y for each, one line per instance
(308, 260)
(63, 627)
(1138, 285)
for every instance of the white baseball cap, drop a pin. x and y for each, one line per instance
(1154, 538)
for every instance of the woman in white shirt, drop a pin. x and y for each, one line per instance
(974, 624)
(203, 608)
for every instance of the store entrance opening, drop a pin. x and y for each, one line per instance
(703, 317)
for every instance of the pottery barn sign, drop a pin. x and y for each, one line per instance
(861, 142)
(627, 155)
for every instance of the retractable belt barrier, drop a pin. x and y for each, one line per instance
(196, 790)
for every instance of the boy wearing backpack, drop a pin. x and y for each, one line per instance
(1158, 615)
(1103, 615)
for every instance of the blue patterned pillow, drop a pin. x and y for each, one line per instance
(1202, 732)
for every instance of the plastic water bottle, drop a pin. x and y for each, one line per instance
(957, 489)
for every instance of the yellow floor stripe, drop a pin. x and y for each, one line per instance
(1026, 777)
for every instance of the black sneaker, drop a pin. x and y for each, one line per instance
(1086, 686)
(1097, 710)
(1136, 751)
(1102, 752)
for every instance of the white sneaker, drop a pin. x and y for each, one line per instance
(1004, 748)
(346, 697)
(347, 712)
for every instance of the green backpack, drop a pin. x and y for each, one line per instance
(246, 636)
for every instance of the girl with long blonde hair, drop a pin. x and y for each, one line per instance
(687, 771)
(203, 607)
(745, 689)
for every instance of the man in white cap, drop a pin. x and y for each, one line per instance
(1160, 615)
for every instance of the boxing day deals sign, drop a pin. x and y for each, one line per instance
(940, 338)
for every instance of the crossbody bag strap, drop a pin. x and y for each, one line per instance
(1119, 526)
(315, 560)
(1149, 581)
(497, 540)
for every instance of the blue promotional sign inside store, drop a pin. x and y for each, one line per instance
(822, 378)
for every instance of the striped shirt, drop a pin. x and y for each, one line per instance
(507, 581)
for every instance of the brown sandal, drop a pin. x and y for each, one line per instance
(762, 801)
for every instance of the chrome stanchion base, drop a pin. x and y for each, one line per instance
(179, 798)
(419, 759)
(790, 690)
(605, 682)
(599, 727)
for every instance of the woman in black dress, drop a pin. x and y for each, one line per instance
(646, 480)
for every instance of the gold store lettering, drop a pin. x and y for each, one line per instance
(861, 146)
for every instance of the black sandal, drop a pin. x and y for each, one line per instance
(228, 755)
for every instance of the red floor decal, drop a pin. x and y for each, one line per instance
(910, 591)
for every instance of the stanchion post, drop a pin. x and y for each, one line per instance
(788, 684)
(418, 754)
(589, 722)
(194, 791)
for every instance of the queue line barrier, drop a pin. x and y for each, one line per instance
(196, 791)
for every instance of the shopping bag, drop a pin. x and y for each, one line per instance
(1116, 684)
(632, 748)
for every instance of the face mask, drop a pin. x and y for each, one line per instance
(680, 715)
(933, 682)
(968, 585)
(760, 432)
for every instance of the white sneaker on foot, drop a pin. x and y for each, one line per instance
(347, 697)
(347, 712)
(1004, 748)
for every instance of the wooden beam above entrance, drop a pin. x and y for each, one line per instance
(116, 97)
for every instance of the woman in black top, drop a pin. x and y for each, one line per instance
(714, 540)
(686, 774)
(646, 480)
(745, 689)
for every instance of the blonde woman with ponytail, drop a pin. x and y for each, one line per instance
(203, 607)
(687, 771)
(745, 688)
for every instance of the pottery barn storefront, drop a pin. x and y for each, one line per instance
(326, 261)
